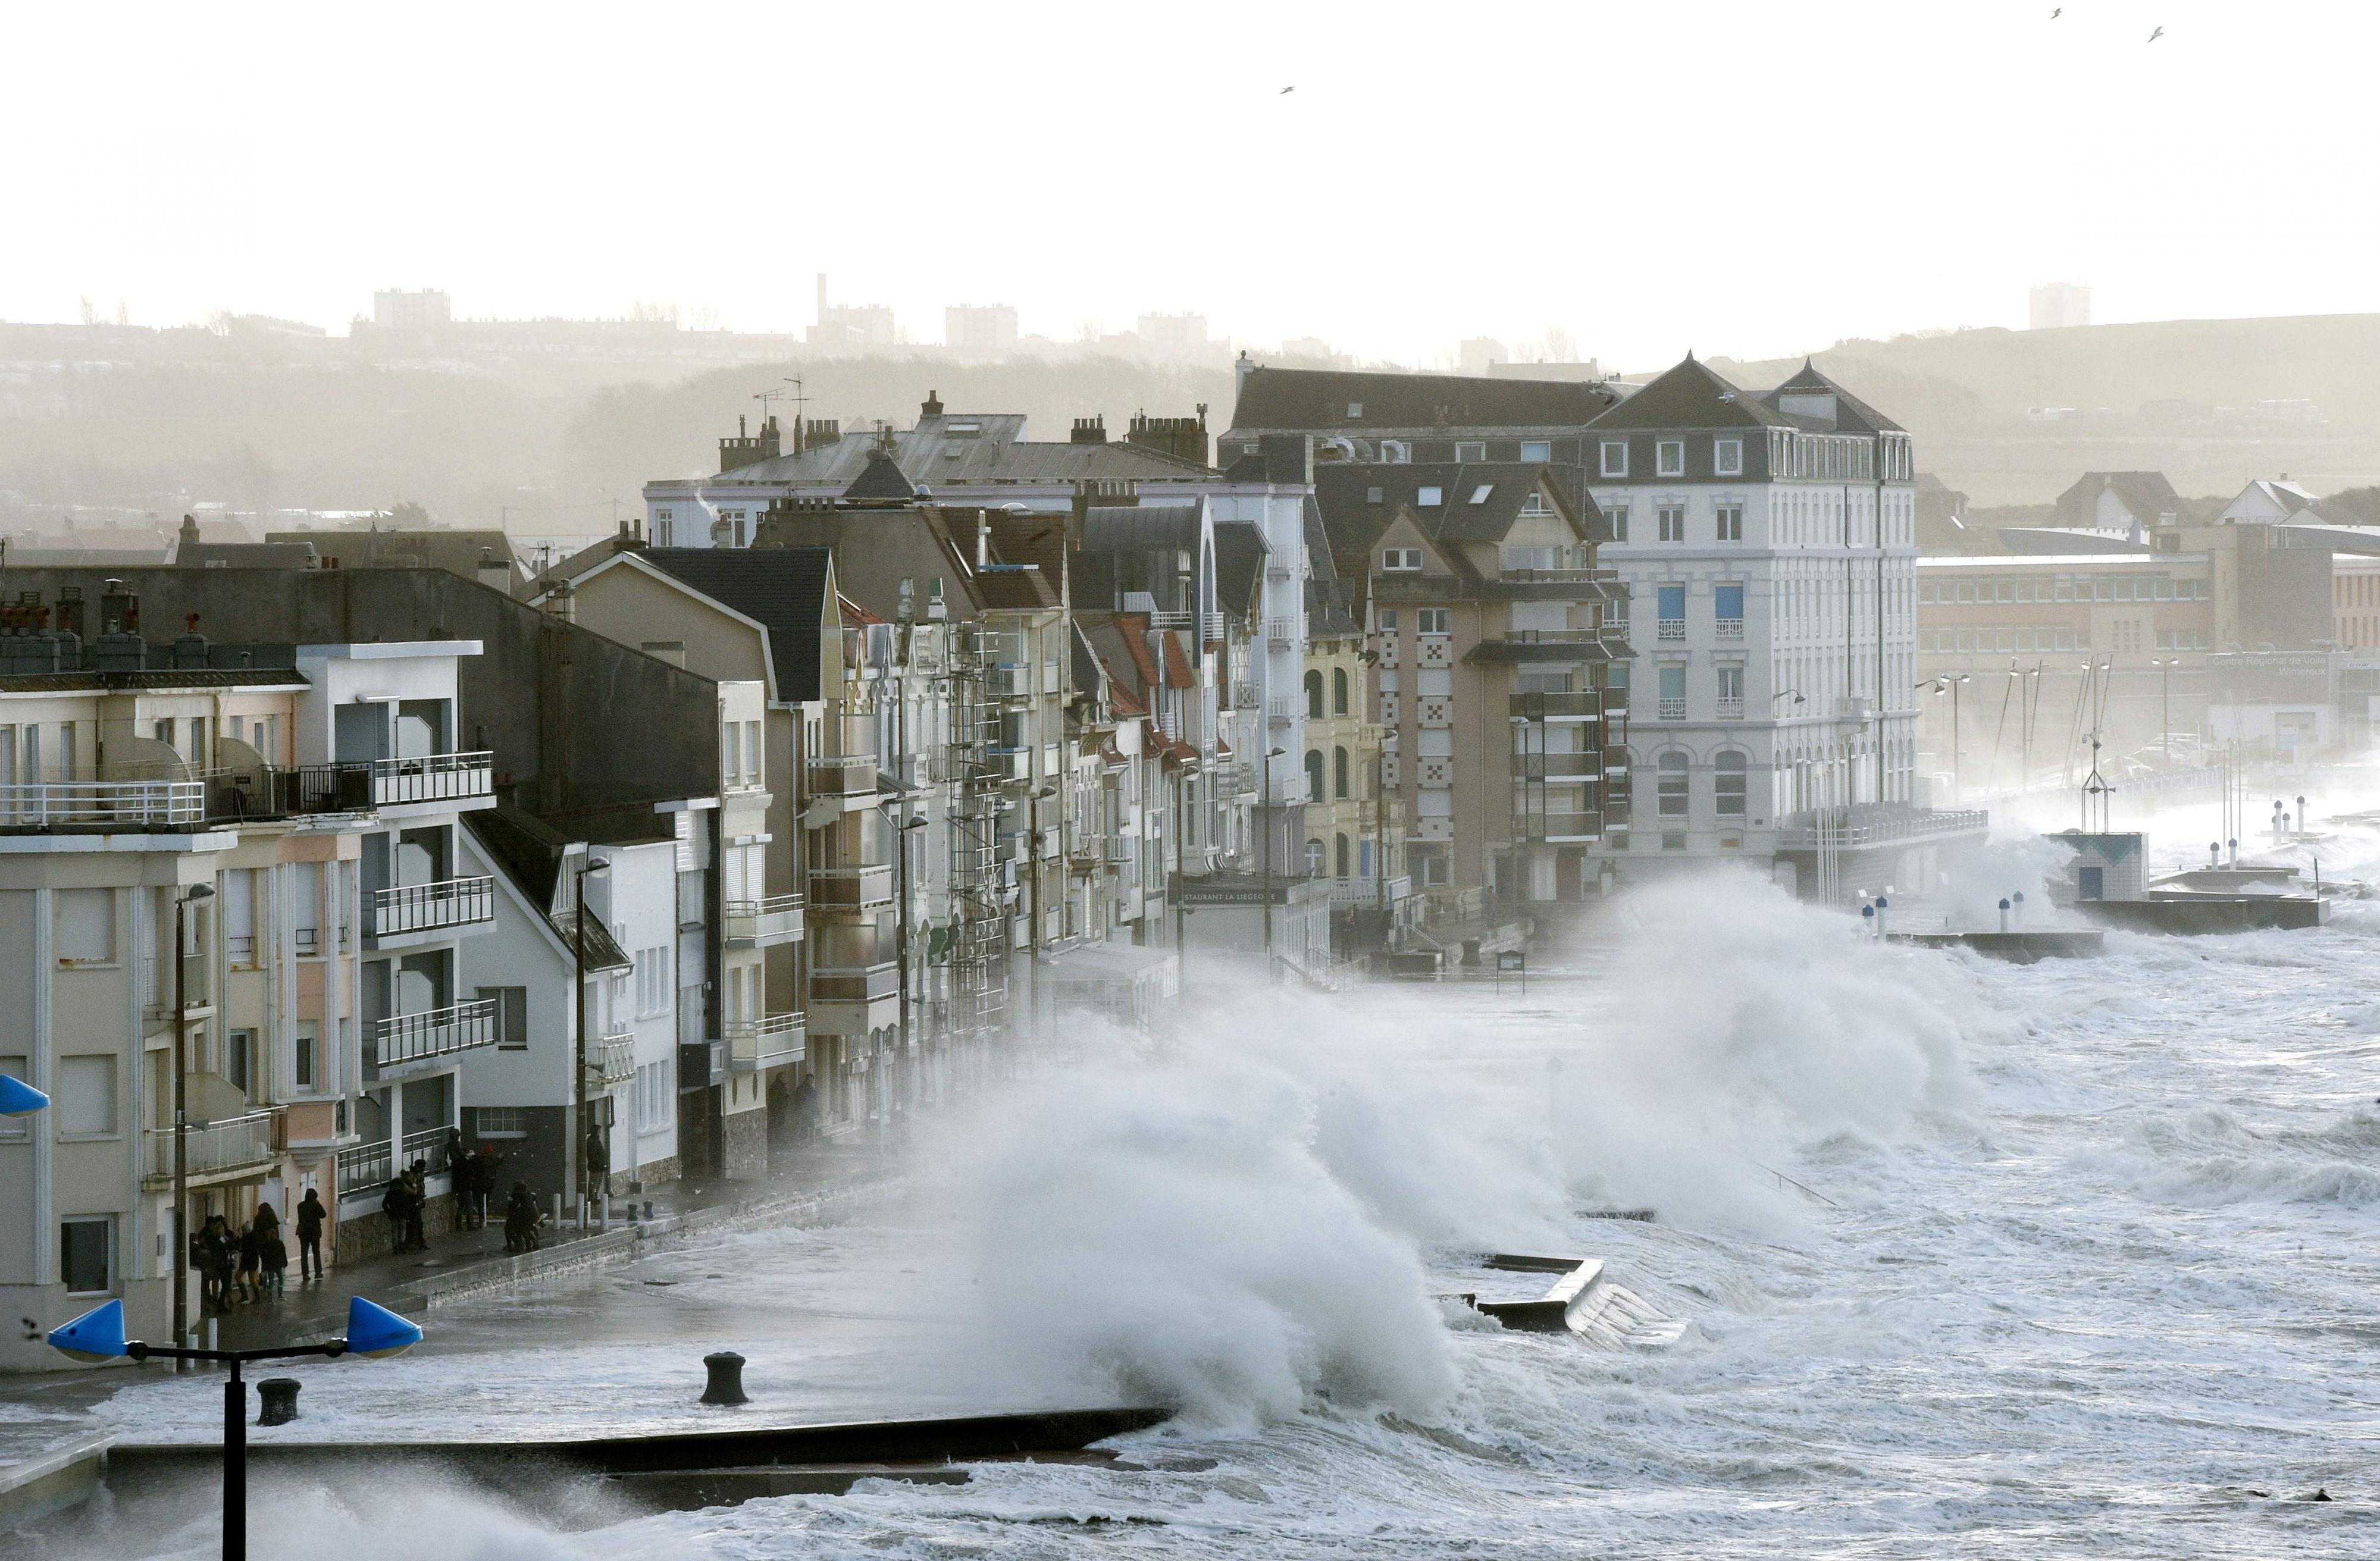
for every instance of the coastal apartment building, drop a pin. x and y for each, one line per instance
(289, 806)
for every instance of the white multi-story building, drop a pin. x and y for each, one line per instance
(1768, 545)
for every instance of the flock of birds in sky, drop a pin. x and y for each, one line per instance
(2053, 16)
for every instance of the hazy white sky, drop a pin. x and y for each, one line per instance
(1649, 176)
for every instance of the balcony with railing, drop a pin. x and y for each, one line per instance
(1876, 824)
(1583, 705)
(1667, 708)
(1352, 893)
(1008, 681)
(366, 1165)
(769, 1041)
(119, 804)
(1559, 826)
(763, 924)
(850, 888)
(1731, 710)
(451, 903)
(843, 775)
(1669, 629)
(1558, 767)
(429, 778)
(1728, 631)
(610, 1059)
(855, 983)
(229, 1147)
(1280, 631)
(420, 1037)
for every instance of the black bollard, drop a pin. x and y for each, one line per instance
(280, 1395)
(726, 1386)
(649, 1208)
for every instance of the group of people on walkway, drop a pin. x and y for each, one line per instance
(239, 1265)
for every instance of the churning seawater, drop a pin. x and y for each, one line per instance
(2087, 1265)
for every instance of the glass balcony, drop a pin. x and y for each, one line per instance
(1583, 705)
(1558, 767)
(1559, 826)
(855, 984)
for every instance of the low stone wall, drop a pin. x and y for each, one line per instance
(360, 1238)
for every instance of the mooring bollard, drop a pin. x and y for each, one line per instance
(726, 1385)
(649, 1208)
(2004, 916)
(280, 1395)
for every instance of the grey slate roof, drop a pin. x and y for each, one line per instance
(1354, 522)
(2145, 495)
(1321, 399)
(1240, 551)
(531, 852)
(1852, 414)
(784, 589)
(1113, 529)
(954, 447)
(1691, 395)
(880, 480)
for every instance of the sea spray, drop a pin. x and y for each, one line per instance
(1740, 1026)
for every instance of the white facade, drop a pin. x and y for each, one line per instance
(1760, 688)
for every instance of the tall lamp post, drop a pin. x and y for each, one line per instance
(586, 1132)
(1270, 754)
(901, 950)
(182, 1117)
(373, 1332)
(1948, 683)
(2165, 665)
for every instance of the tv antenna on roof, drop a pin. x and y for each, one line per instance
(768, 399)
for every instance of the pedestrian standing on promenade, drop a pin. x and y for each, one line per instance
(247, 1286)
(417, 1194)
(392, 1203)
(211, 1255)
(309, 1237)
(272, 1257)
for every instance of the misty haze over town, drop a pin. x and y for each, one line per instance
(1557, 780)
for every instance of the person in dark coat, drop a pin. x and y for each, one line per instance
(520, 1220)
(392, 1203)
(211, 1255)
(272, 1257)
(310, 1216)
(417, 1195)
(244, 1285)
(484, 1166)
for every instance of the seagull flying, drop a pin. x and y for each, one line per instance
(2158, 34)
(1286, 91)
(2058, 13)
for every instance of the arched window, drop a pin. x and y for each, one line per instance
(1313, 859)
(1727, 784)
(1337, 691)
(1345, 857)
(1339, 773)
(1314, 791)
(1671, 784)
(1314, 695)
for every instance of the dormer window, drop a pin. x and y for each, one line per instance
(1471, 450)
(1669, 457)
(1727, 457)
(1537, 504)
(1615, 458)
(1537, 450)
(1401, 561)
(1430, 497)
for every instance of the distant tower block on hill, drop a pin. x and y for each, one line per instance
(2059, 304)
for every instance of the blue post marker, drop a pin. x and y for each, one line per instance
(97, 1336)
(2004, 913)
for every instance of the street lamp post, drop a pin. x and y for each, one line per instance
(182, 1117)
(584, 1130)
(1949, 682)
(901, 953)
(373, 1332)
(1270, 754)
(2164, 664)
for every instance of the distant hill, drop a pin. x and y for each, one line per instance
(2012, 416)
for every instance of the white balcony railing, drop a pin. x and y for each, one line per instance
(1731, 629)
(1731, 710)
(849, 889)
(766, 1042)
(429, 906)
(432, 778)
(231, 1144)
(760, 924)
(42, 805)
(1673, 709)
(1281, 632)
(1671, 629)
(410, 1038)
